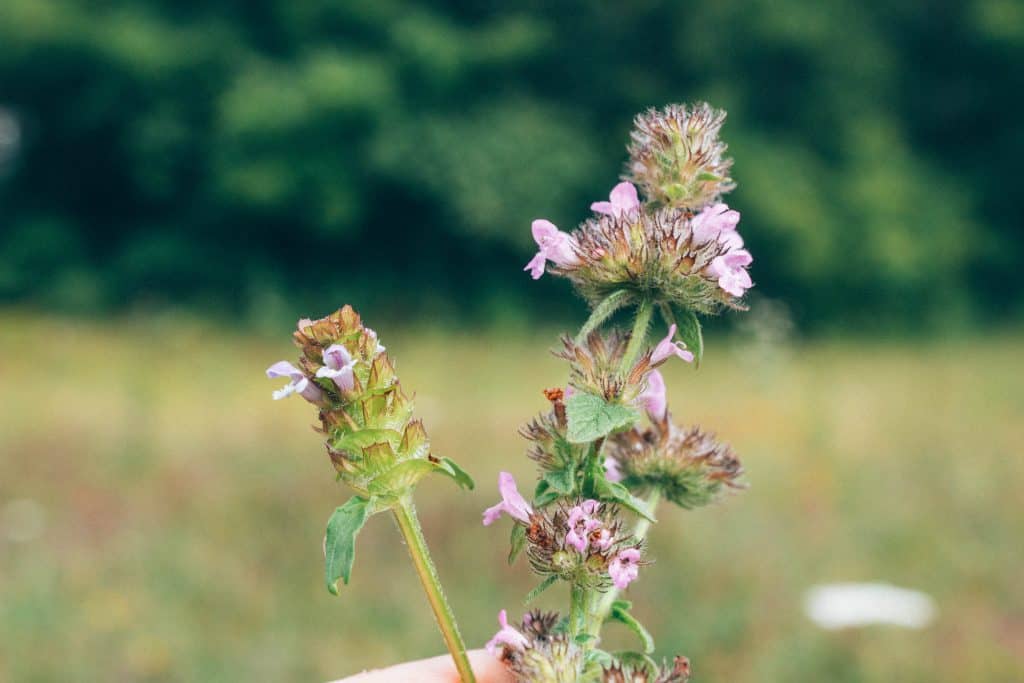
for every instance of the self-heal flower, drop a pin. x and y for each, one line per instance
(716, 222)
(624, 568)
(731, 271)
(512, 503)
(667, 348)
(338, 365)
(653, 397)
(623, 200)
(298, 382)
(553, 245)
(580, 524)
(506, 635)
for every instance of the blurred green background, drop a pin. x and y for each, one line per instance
(180, 181)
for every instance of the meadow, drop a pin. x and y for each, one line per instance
(161, 518)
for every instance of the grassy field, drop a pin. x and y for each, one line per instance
(161, 518)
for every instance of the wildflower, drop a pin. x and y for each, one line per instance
(581, 524)
(667, 348)
(619, 673)
(730, 270)
(612, 471)
(338, 365)
(716, 222)
(298, 382)
(623, 200)
(625, 567)
(553, 245)
(595, 366)
(677, 158)
(652, 398)
(506, 636)
(547, 655)
(512, 503)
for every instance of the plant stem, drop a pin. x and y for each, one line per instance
(611, 303)
(638, 336)
(409, 525)
(640, 531)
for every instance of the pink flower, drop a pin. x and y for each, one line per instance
(715, 222)
(602, 538)
(553, 245)
(624, 567)
(338, 365)
(611, 470)
(652, 398)
(298, 382)
(506, 635)
(667, 348)
(623, 200)
(730, 270)
(581, 523)
(512, 504)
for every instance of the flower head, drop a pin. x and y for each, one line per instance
(298, 383)
(581, 524)
(623, 200)
(506, 637)
(667, 348)
(653, 397)
(512, 503)
(625, 567)
(677, 158)
(730, 271)
(553, 245)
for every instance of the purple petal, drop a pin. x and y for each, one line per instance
(653, 396)
(603, 207)
(624, 197)
(536, 265)
(283, 368)
(543, 230)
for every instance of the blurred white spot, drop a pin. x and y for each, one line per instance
(22, 520)
(846, 605)
(10, 135)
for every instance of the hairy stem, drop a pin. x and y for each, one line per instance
(409, 525)
(640, 531)
(638, 336)
(601, 312)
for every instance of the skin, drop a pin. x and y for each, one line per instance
(435, 670)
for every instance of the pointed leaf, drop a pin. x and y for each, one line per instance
(340, 541)
(620, 494)
(591, 418)
(561, 481)
(620, 612)
(544, 585)
(461, 477)
(517, 541)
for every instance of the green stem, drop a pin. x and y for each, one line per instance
(409, 525)
(640, 531)
(611, 303)
(638, 336)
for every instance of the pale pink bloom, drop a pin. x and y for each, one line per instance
(338, 365)
(512, 503)
(731, 271)
(602, 538)
(652, 398)
(667, 348)
(380, 347)
(623, 200)
(611, 470)
(553, 245)
(624, 567)
(717, 222)
(580, 524)
(506, 635)
(298, 382)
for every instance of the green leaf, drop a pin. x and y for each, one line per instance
(621, 495)
(705, 176)
(516, 541)
(597, 659)
(401, 477)
(591, 418)
(340, 542)
(637, 660)
(461, 477)
(543, 495)
(584, 638)
(561, 481)
(355, 442)
(620, 612)
(544, 585)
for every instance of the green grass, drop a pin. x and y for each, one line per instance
(185, 509)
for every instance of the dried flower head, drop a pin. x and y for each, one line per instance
(689, 465)
(676, 158)
(372, 440)
(539, 651)
(594, 366)
(668, 255)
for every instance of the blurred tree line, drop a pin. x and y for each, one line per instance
(272, 156)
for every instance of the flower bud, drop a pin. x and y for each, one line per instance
(539, 650)
(675, 156)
